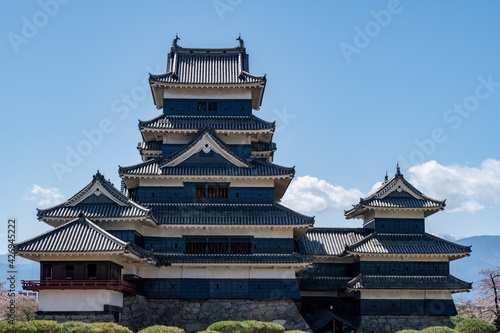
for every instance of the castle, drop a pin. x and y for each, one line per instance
(196, 233)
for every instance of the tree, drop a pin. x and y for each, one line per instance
(25, 306)
(488, 288)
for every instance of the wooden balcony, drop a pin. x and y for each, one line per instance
(116, 285)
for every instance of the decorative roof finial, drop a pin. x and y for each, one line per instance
(174, 42)
(242, 44)
(398, 170)
(386, 176)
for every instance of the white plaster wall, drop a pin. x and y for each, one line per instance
(401, 294)
(228, 93)
(388, 213)
(78, 300)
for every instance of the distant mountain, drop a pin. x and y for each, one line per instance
(26, 270)
(485, 254)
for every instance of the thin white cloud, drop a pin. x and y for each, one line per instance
(44, 196)
(450, 237)
(310, 194)
(465, 188)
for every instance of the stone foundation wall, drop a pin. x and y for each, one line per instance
(197, 315)
(395, 323)
(85, 318)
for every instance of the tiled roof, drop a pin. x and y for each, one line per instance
(151, 145)
(390, 196)
(322, 283)
(79, 235)
(207, 66)
(406, 244)
(447, 282)
(329, 241)
(69, 209)
(232, 258)
(230, 123)
(258, 168)
(227, 214)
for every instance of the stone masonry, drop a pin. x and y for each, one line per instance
(396, 323)
(197, 315)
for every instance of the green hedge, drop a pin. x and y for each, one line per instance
(162, 329)
(228, 327)
(110, 328)
(76, 327)
(45, 326)
(16, 327)
(475, 325)
(254, 326)
(407, 331)
(438, 329)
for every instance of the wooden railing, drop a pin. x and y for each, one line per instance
(117, 285)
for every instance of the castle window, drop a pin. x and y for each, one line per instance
(202, 106)
(212, 106)
(92, 271)
(69, 271)
(47, 271)
(196, 245)
(211, 191)
(240, 246)
(219, 245)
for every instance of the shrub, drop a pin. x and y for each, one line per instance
(16, 327)
(407, 331)
(254, 326)
(45, 326)
(228, 327)
(295, 331)
(475, 325)
(207, 331)
(496, 322)
(438, 329)
(162, 329)
(75, 327)
(110, 328)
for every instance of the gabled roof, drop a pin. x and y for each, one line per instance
(206, 141)
(98, 199)
(396, 193)
(219, 123)
(227, 214)
(400, 282)
(79, 235)
(197, 67)
(377, 243)
(329, 241)
(257, 168)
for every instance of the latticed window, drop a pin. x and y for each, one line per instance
(196, 245)
(211, 191)
(241, 246)
(218, 245)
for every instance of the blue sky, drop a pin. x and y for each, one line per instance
(354, 88)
